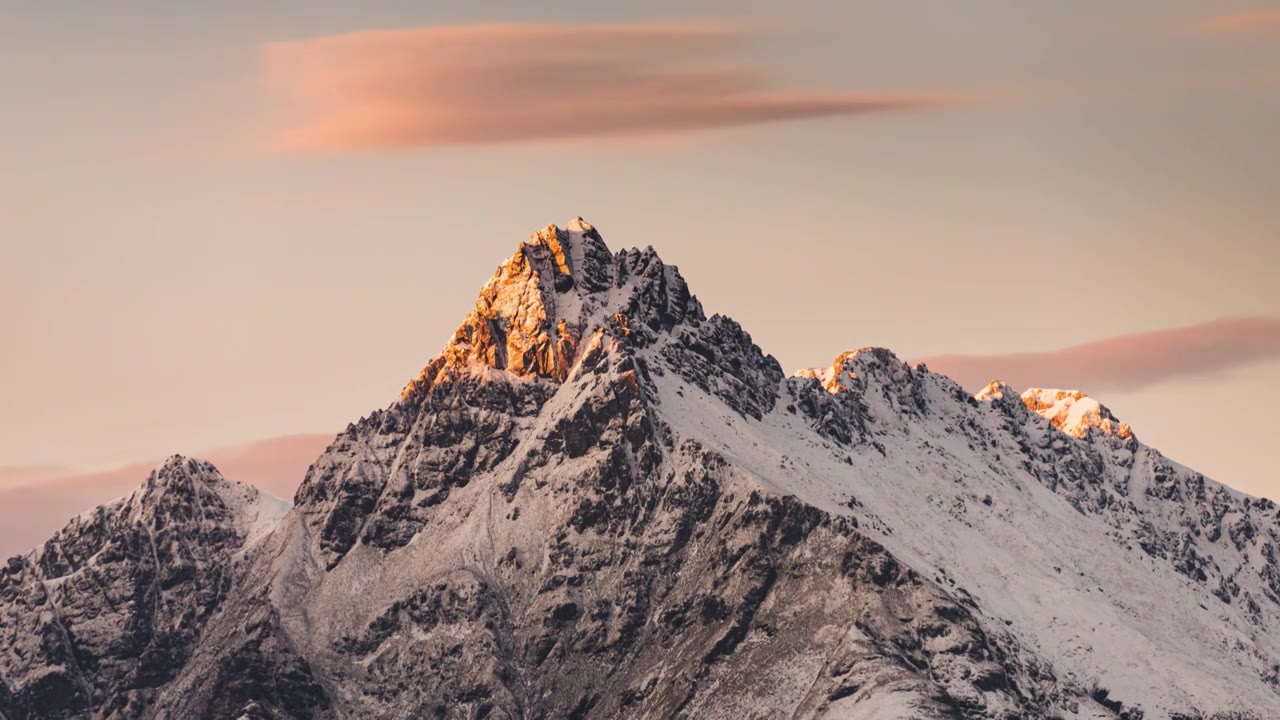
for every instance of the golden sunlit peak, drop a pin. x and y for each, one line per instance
(561, 242)
(996, 390)
(531, 316)
(577, 224)
(1074, 413)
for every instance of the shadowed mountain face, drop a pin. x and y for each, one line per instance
(599, 502)
(111, 607)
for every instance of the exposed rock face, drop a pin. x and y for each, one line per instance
(530, 316)
(561, 306)
(110, 609)
(598, 502)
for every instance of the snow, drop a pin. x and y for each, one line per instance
(1099, 610)
(1073, 412)
(578, 225)
(996, 390)
(953, 489)
(953, 492)
(257, 512)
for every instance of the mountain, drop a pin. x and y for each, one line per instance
(111, 606)
(36, 501)
(600, 502)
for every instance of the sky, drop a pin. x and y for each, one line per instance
(222, 223)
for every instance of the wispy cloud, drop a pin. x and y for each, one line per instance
(12, 476)
(1127, 362)
(480, 84)
(1236, 23)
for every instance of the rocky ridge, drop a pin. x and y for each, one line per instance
(109, 609)
(597, 501)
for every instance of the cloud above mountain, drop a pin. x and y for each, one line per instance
(1126, 362)
(1244, 22)
(484, 84)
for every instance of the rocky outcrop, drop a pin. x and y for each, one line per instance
(599, 502)
(1074, 413)
(530, 316)
(728, 580)
(111, 608)
(557, 307)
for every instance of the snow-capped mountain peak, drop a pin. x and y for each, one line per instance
(112, 606)
(1074, 413)
(847, 371)
(529, 318)
(577, 224)
(534, 314)
(996, 390)
(599, 502)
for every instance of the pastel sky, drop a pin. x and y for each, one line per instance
(226, 222)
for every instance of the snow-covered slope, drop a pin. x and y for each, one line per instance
(1124, 572)
(600, 502)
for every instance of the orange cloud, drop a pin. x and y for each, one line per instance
(480, 84)
(1245, 22)
(1126, 362)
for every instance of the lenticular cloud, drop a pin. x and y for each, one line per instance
(486, 84)
(1126, 362)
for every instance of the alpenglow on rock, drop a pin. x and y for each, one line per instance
(599, 502)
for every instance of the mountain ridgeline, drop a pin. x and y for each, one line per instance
(600, 502)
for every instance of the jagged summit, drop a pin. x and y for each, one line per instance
(183, 491)
(110, 607)
(599, 502)
(1074, 413)
(996, 390)
(1070, 411)
(577, 224)
(179, 469)
(531, 318)
(847, 370)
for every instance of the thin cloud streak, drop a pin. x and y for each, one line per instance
(486, 84)
(1237, 23)
(1127, 362)
(12, 476)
